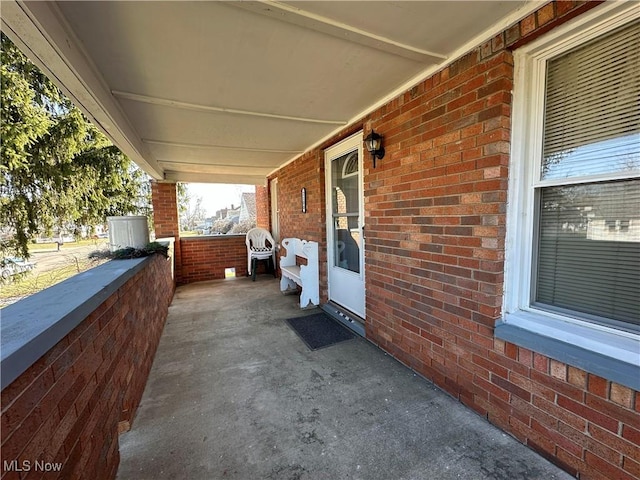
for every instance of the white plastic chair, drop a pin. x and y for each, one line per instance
(260, 246)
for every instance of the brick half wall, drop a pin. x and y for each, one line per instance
(262, 207)
(206, 257)
(70, 405)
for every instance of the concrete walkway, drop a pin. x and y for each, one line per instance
(235, 394)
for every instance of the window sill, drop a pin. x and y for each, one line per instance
(604, 352)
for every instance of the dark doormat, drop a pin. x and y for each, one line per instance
(319, 330)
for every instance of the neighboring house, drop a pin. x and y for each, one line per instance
(99, 230)
(247, 207)
(205, 227)
(233, 214)
(222, 213)
(227, 212)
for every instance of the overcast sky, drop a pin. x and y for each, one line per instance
(216, 196)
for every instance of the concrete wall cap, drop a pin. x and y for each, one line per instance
(34, 325)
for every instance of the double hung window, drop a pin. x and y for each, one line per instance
(586, 190)
(573, 241)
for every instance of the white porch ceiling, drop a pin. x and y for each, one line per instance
(227, 92)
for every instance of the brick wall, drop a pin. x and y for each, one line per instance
(164, 198)
(70, 405)
(308, 172)
(205, 258)
(435, 214)
(262, 207)
(435, 209)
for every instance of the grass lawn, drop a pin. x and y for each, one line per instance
(34, 247)
(32, 283)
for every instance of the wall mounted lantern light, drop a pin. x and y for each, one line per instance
(373, 142)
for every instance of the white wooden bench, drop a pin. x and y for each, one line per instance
(307, 276)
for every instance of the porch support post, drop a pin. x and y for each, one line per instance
(262, 207)
(164, 197)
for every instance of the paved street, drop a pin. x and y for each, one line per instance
(47, 260)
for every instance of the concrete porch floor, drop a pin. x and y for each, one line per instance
(235, 394)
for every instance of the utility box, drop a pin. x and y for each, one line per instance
(130, 231)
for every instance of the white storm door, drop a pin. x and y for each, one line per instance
(345, 223)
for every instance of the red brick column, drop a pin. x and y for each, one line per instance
(164, 197)
(165, 209)
(206, 257)
(262, 207)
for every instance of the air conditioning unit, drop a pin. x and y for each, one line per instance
(130, 231)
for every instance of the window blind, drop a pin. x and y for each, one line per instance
(588, 234)
(592, 108)
(589, 249)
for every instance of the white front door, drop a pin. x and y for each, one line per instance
(345, 223)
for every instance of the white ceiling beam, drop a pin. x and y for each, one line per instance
(188, 177)
(328, 26)
(210, 108)
(41, 32)
(193, 167)
(216, 147)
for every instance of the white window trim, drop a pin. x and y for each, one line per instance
(527, 125)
